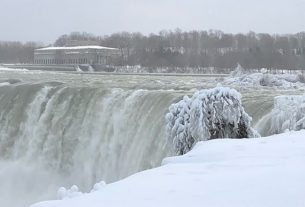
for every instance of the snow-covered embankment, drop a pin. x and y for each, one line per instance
(247, 172)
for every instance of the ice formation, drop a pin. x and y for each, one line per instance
(239, 71)
(288, 114)
(209, 114)
(63, 193)
(240, 77)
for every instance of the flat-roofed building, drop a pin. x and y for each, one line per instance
(76, 55)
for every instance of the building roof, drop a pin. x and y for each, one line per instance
(77, 48)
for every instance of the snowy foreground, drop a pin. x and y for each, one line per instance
(225, 172)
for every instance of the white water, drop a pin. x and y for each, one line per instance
(53, 136)
(59, 129)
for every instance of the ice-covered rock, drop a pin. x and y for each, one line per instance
(63, 193)
(208, 114)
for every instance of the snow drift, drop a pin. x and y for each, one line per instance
(209, 114)
(247, 172)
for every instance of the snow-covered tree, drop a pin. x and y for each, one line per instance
(208, 114)
(178, 124)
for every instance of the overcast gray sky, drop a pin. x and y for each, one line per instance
(45, 20)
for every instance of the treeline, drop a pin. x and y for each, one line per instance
(185, 49)
(17, 52)
(202, 49)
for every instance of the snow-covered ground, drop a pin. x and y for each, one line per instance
(225, 172)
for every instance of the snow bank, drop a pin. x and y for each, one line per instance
(246, 172)
(209, 114)
(288, 114)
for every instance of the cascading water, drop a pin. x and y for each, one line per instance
(59, 129)
(54, 136)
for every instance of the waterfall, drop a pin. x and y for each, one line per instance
(60, 129)
(53, 135)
